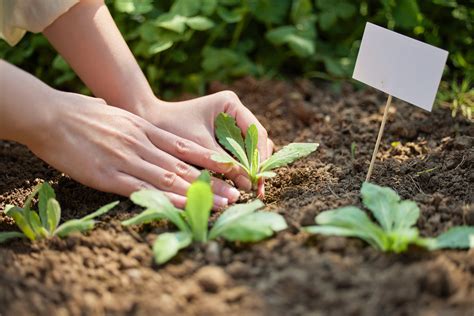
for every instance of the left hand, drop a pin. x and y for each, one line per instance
(194, 120)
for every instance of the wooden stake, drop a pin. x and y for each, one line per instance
(379, 137)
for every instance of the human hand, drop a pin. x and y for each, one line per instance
(113, 150)
(194, 120)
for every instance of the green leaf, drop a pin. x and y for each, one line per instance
(144, 217)
(280, 35)
(251, 142)
(405, 215)
(231, 215)
(400, 239)
(101, 211)
(200, 23)
(406, 14)
(230, 136)
(198, 208)
(186, 7)
(159, 47)
(167, 245)
(4, 236)
(205, 177)
(254, 227)
(303, 47)
(208, 6)
(352, 219)
(158, 201)
(266, 174)
(35, 224)
(74, 225)
(459, 237)
(18, 215)
(229, 16)
(175, 23)
(288, 154)
(45, 193)
(269, 11)
(383, 202)
(133, 6)
(53, 215)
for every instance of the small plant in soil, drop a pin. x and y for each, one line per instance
(44, 223)
(396, 219)
(247, 154)
(240, 222)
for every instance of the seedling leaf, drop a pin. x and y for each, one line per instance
(456, 237)
(288, 154)
(157, 200)
(254, 227)
(251, 141)
(231, 215)
(198, 209)
(74, 225)
(5, 236)
(382, 201)
(205, 177)
(266, 174)
(18, 215)
(230, 136)
(53, 214)
(144, 217)
(397, 219)
(45, 193)
(102, 210)
(353, 218)
(167, 245)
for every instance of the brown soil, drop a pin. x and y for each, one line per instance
(111, 271)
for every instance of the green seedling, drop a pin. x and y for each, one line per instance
(396, 219)
(44, 223)
(247, 154)
(240, 222)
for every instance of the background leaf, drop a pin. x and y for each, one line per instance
(5, 236)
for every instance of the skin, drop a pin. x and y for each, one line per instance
(127, 138)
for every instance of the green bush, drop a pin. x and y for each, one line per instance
(183, 44)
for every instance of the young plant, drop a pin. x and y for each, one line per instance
(395, 230)
(247, 154)
(240, 222)
(44, 223)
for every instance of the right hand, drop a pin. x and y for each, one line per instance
(113, 150)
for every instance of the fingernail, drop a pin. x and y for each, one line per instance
(220, 201)
(243, 183)
(233, 194)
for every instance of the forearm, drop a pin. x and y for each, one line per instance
(25, 104)
(87, 37)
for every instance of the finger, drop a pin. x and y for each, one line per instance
(188, 172)
(240, 178)
(244, 119)
(222, 188)
(270, 147)
(186, 150)
(126, 184)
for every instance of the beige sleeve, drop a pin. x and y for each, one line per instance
(19, 16)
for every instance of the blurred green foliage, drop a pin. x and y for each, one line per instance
(183, 44)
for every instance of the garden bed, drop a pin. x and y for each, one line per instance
(428, 158)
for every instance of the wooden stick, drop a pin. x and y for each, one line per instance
(379, 137)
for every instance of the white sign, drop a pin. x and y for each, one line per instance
(400, 66)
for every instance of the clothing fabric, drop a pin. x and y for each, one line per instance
(19, 16)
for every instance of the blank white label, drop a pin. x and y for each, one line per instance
(399, 65)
